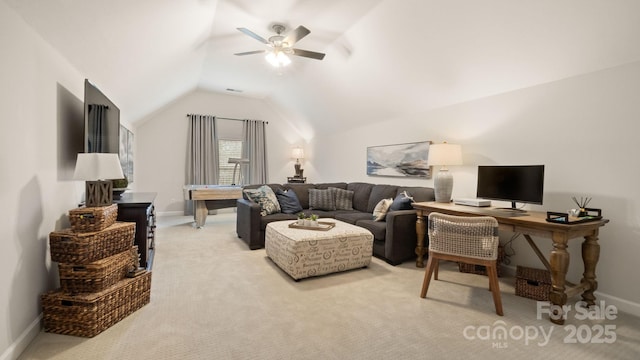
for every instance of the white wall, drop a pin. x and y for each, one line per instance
(583, 129)
(161, 143)
(40, 110)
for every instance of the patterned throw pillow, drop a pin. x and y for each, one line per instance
(321, 199)
(402, 202)
(380, 211)
(343, 198)
(266, 198)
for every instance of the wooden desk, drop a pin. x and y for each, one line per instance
(534, 223)
(211, 196)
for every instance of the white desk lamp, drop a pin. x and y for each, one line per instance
(444, 155)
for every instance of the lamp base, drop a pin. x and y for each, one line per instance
(443, 186)
(297, 169)
(98, 193)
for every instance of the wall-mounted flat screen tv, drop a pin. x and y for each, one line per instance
(101, 121)
(514, 183)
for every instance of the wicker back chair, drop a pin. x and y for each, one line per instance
(471, 240)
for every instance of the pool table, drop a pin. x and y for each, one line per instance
(211, 197)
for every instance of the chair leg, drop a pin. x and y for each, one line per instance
(428, 271)
(435, 269)
(495, 288)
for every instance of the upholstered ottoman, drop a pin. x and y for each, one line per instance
(303, 253)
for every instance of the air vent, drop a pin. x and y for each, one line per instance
(234, 90)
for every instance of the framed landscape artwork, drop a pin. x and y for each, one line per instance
(126, 153)
(401, 160)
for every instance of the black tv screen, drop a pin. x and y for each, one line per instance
(101, 122)
(514, 183)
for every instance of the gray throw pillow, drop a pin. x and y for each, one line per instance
(321, 199)
(343, 198)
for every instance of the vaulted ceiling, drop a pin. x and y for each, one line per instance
(385, 58)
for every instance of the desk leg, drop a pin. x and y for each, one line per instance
(200, 213)
(421, 230)
(559, 261)
(590, 256)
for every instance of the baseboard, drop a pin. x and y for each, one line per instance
(21, 343)
(622, 305)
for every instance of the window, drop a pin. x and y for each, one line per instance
(228, 149)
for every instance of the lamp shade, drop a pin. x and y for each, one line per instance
(98, 166)
(297, 153)
(445, 154)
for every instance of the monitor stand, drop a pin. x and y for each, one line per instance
(512, 208)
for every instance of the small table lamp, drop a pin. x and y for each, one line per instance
(443, 155)
(98, 169)
(297, 153)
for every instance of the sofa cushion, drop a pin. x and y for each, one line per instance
(302, 192)
(380, 211)
(265, 198)
(361, 192)
(402, 202)
(352, 217)
(264, 220)
(343, 198)
(379, 192)
(377, 228)
(289, 203)
(339, 185)
(321, 199)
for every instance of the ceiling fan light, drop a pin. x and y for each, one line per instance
(277, 59)
(271, 59)
(283, 59)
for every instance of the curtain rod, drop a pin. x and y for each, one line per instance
(225, 118)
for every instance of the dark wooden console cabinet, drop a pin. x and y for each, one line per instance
(138, 207)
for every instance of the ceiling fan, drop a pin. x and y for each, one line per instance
(280, 46)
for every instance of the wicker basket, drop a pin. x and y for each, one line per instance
(533, 283)
(90, 219)
(89, 314)
(82, 248)
(98, 275)
(481, 269)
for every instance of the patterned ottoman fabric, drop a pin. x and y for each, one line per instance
(304, 253)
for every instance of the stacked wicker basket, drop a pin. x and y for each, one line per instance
(100, 283)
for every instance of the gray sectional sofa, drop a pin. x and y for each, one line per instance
(394, 237)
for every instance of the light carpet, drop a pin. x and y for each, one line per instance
(213, 298)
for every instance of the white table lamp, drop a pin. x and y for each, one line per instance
(444, 155)
(98, 170)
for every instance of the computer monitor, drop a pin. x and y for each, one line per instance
(514, 183)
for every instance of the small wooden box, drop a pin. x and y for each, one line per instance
(91, 219)
(533, 283)
(87, 315)
(71, 247)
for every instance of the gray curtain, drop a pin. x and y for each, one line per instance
(202, 151)
(97, 132)
(255, 149)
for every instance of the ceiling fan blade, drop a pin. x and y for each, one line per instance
(250, 52)
(297, 34)
(308, 54)
(253, 35)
